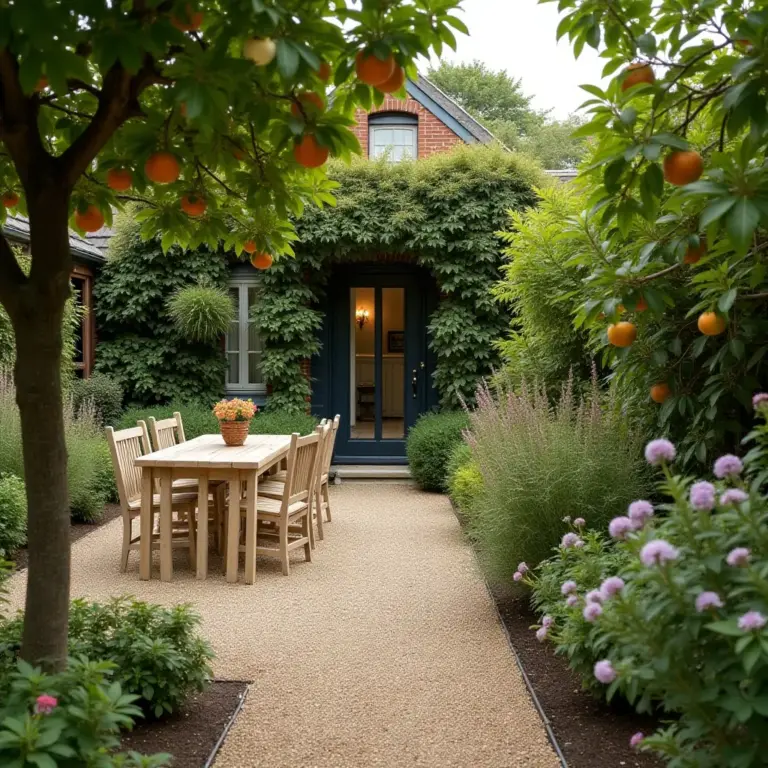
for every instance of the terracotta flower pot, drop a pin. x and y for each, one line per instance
(234, 432)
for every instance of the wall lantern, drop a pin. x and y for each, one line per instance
(361, 317)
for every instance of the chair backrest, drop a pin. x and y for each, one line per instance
(301, 472)
(329, 445)
(126, 446)
(166, 432)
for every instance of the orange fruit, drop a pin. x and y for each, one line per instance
(622, 334)
(311, 101)
(193, 205)
(189, 21)
(394, 82)
(261, 260)
(372, 70)
(260, 51)
(693, 255)
(637, 73)
(10, 199)
(249, 246)
(309, 153)
(711, 324)
(238, 153)
(683, 167)
(325, 71)
(119, 179)
(660, 392)
(162, 168)
(91, 220)
(641, 305)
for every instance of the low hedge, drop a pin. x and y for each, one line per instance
(13, 514)
(430, 444)
(465, 481)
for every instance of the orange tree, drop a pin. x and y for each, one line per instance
(676, 288)
(198, 110)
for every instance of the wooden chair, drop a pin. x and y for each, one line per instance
(126, 446)
(290, 514)
(322, 498)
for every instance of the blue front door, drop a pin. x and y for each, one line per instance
(378, 367)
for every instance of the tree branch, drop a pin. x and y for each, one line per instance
(754, 296)
(228, 189)
(660, 273)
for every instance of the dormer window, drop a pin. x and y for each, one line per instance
(393, 135)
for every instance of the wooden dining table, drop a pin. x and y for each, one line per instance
(206, 458)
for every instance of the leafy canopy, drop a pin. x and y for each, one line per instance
(120, 80)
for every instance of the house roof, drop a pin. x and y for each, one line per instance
(90, 248)
(448, 111)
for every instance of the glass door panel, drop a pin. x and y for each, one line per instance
(362, 364)
(392, 363)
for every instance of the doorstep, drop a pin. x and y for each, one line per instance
(343, 472)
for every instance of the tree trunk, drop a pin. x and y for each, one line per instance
(37, 320)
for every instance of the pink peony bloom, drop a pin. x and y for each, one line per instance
(751, 621)
(658, 451)
(611, 586)
(639, 512)
(733, 496)
(728, 466)
(707, 600)
(619, 527)
(568, 587)
(578, 544)
(569, 540)
(604, 672)
(45, 704)
(658, 552)
(579, 522)
(761, 398)
(541, 634)
(703, 496)
(592, 611)
(523, 568)
(738, 557)
(547, 621)
(572, 601)
(634, 742)
(517, 576)
(595, 596)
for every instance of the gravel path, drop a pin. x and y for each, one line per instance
(385, 651)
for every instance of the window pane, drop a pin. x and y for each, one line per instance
(362, 354)
(393, 363)
(254, 368)
(233, 368)
(396, 143)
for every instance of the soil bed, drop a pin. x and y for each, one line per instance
(191, 734)
(590, 733)
(76, 531)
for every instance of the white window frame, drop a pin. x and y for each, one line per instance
(243, 284)
(388, 122)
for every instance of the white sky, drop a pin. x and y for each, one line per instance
(519, 36)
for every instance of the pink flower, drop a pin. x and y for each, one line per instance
(658, 552)
(604, 672)
(547, 621)
(541, 634)
(611, 586)
(634, 742)
(45, 704)
(568, 587)
(639, 512)
(738, 557)
(733, 496)
(707, 600)
(761, 398)
(592, 611)
(567, 519)
(570, 540)
(728, 466)
(619, 527)
(658, 451)
(517, 576)
(578, 544)
(579, 522)
(595, 596)
(523, 568)
(572, 601)
(751, 621)
(703, 496)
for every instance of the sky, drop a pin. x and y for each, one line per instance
(519, 36)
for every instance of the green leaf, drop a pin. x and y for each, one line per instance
(741, 222)
(725, 302)
(670, 140)
(628, 116)
(715, 211)
(728, 627)
(287, 58)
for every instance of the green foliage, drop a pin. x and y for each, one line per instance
(431, 441)
(138, 344)
(103, 392)
(201, 312)
(542, 290)
(68, 720)
(13, 514)
(158, 656)
(465, 481)
(708, 97)
(539, 464)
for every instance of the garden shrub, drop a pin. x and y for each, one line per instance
(682, 622)
(201, 312)
(465, 482)
(103, 392)
(430, 443)
(159, 656)
(13, 514)
(68, 720)
(540, 464)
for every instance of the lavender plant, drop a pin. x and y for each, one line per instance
(682, 623)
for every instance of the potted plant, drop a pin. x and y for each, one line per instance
(234, 419)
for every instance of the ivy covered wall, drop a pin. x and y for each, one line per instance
(444, 212)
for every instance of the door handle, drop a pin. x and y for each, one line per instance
(415, 383)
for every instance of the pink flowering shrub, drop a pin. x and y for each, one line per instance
(688, 630)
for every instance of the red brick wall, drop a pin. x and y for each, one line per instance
(434, 135)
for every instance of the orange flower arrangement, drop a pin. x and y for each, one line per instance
(234, 410)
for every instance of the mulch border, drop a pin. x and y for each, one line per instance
(228, 727)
